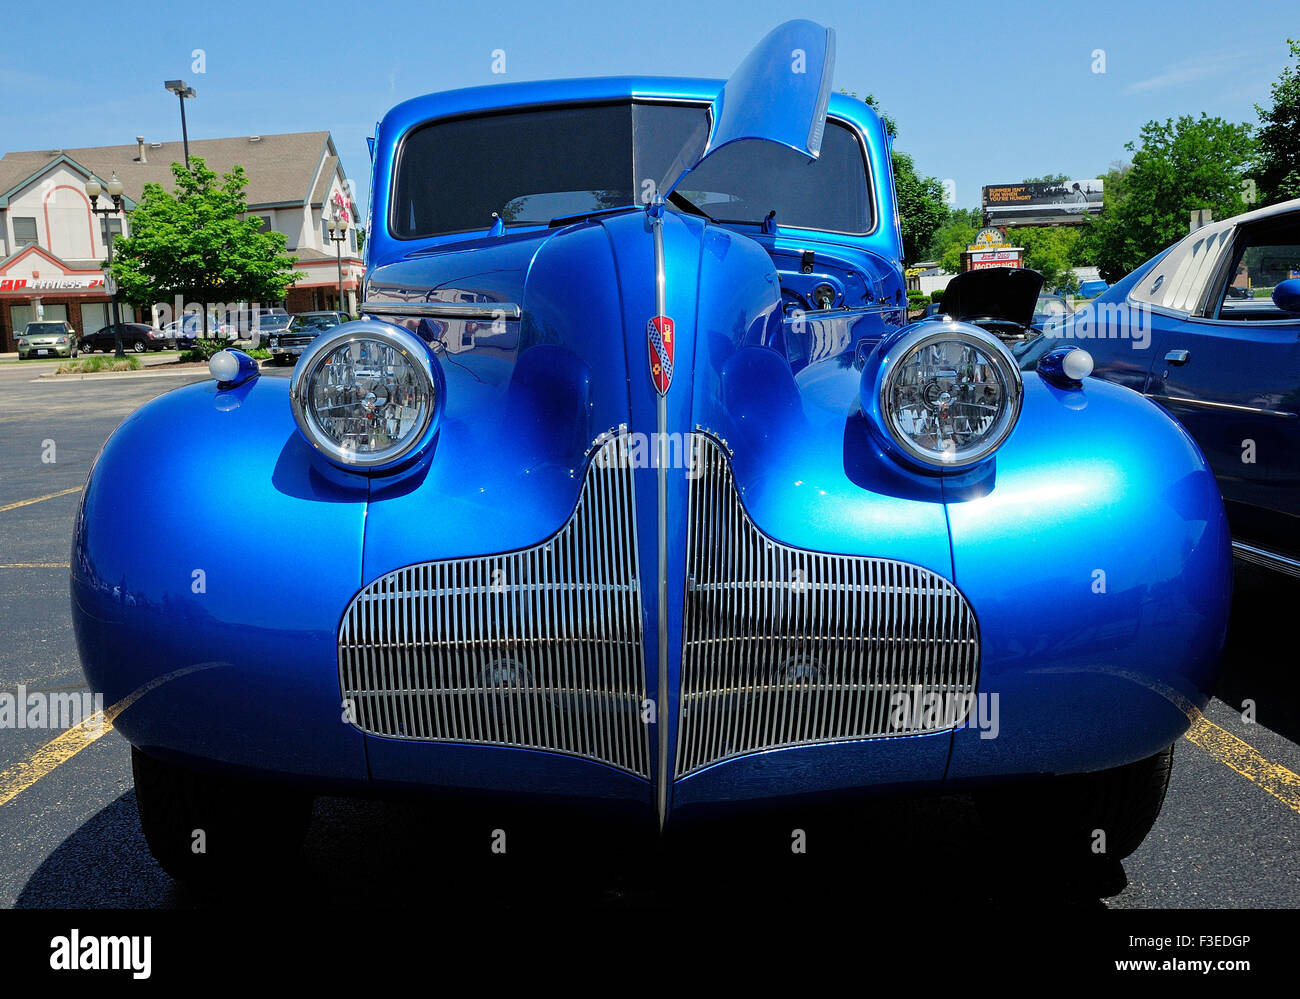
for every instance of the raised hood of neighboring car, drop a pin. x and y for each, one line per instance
(1008, 293)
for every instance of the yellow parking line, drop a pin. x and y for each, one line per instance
(39, 499)
(1221, 744)
(60, 749)
(22, 775)
(35, 565)
(1242, 757)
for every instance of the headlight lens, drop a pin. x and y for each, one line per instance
(365, 394)
(950, 396)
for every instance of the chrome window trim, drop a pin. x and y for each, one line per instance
(860, 136)
(1232, 407)
(1266, 559)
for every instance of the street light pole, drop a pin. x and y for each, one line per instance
(114, 190)
(182, 91)
(338, 233)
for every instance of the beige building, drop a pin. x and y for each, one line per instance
(51, 245)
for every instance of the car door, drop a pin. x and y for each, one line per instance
(1229, 371)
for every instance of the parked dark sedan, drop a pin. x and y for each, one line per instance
(136, 337)
(1210, 329)
(303, 328)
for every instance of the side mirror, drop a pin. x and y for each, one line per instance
(1286, 296)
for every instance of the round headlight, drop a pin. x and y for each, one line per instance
(949, 396)
(365, 394)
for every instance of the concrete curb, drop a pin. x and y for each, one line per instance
(109, 375)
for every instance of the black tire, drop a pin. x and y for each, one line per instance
(249, 830)
(1063, 816)
(279, 360)
(139, 346)
(86, 347)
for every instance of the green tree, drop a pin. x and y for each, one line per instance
(1178, 166)
(1048, 178)
(921, 207)
(1050, 250)
(1278, 166)
(953, 236)
(891, 126)
(198, 242)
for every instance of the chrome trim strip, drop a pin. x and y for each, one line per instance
(787, 647)
(661, 419)
(483, 311)
(1205, 404)
(541, 648)
(1267, 559)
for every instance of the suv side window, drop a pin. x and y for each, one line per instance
(1265, 255)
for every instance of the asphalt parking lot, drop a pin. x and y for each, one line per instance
(69, 837)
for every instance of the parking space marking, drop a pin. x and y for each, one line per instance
(1242, 757)
(39, 499)
(60, 749)
(22, 775)
(35, 565)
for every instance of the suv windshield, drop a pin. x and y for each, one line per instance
(534, 166)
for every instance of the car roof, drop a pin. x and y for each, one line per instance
(579, 90)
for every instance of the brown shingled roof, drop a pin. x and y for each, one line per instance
(280, 167)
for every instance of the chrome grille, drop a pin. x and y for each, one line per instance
(787, 647)
(536, 649)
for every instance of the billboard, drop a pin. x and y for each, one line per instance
(1057, 203)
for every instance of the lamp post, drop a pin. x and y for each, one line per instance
(182, 90)
(338, 233)
(114, 190)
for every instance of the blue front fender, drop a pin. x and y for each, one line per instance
(212, 555)
(1098, 563)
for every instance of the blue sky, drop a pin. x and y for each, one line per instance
(983, 93)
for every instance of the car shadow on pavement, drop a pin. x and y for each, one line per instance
(1256, 662)
(909, 852)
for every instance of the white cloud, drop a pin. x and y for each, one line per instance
(1182, 73)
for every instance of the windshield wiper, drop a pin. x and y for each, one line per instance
(678, 200)
(564, 220)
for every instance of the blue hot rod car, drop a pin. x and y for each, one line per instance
(633, 484)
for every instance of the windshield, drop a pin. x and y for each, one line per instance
(532, 167)
(273, 322)
(38, 329)
(1051, 306)
(308, 322)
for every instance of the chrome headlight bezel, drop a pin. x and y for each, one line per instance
(890, 362)
(413, 350)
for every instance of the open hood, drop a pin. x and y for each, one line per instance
(778, 94)
(1008, 293)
